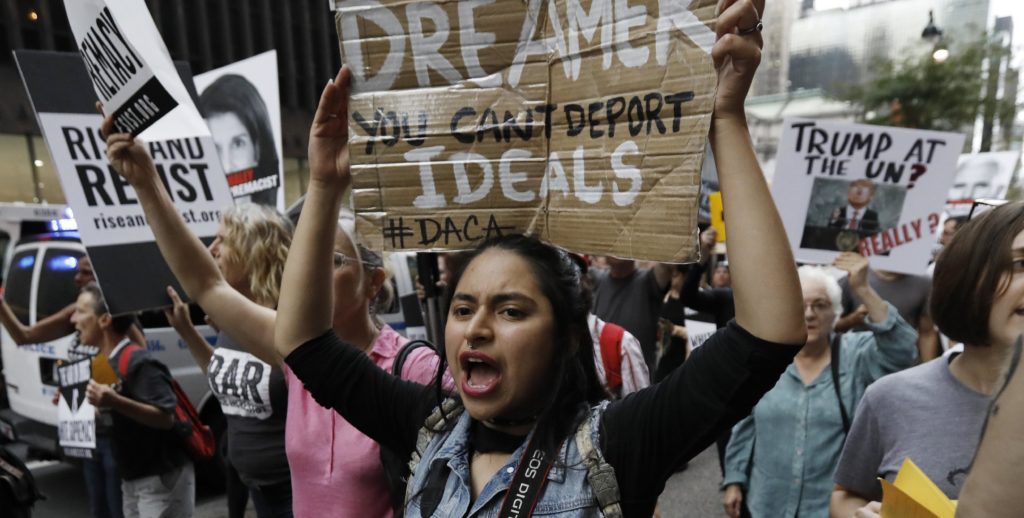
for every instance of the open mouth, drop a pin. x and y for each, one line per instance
(481, 374)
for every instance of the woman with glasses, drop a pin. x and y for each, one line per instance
(780, 459)
(335, 469)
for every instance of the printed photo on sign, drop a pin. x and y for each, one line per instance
(241, 382)
(984, 175)
(583, 125)
(76, 427)
(842, 213)
(130, 69)
(876, 190)
(240, 104)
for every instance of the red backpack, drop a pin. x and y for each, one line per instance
(198, 438)
(611, 354)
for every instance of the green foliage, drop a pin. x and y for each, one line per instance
(919, 93)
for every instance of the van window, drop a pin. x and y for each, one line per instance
(18, 286)
(57, 281)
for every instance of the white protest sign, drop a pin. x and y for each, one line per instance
(698, 332)
(984, 175)
(76, 417)
(242, 107)
(113, 227)
(873, 189)
(131, 71)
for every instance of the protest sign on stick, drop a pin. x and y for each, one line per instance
(113, 227)
(241, 105)
(130, 69)
(76, 417)
(581, 122)
(872, 189)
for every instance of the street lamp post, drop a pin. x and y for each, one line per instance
(933, 35)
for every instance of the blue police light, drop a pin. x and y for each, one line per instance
(26, 262)
(63, 263)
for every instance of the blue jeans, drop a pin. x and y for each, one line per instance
(102, 481)
(274, 501)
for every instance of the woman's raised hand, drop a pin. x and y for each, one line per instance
(856, 266)
(736, 53)
(128, 156)
(328, 136)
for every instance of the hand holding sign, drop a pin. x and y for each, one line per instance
(129, 158)
(856, 266)
(328, 137)
(737, 53)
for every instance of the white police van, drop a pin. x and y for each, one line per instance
(41, 249)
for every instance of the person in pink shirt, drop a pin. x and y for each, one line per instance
(335, 470)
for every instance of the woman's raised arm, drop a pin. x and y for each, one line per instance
(306, 305)
(247, 322)
(766, 288)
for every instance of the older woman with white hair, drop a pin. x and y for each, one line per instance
(781, 458)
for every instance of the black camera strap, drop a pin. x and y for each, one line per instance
(527, 483)
(836, 353)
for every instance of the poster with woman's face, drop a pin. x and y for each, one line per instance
(241, 105)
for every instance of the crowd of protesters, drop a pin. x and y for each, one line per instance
(564, 385)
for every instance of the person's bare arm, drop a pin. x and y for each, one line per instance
(250, 324)
(927, 339)
(179, 317)
(762, 264)
(852, 320)
(45, 330)
(992, 489)
(306, 303)
(856, 266)
(102, 396)
(844, 503)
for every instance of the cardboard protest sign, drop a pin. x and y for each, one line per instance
(873, 189)
(131, 71)
(984, 175)
(114, 230)
(581, 122)
(76, 417)
(242, 107)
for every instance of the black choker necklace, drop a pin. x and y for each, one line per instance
(500, 421)
(488, 440)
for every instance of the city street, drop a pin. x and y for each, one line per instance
(692, 493)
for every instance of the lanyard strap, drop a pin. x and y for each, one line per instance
(527, 483)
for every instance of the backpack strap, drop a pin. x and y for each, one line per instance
(439, 421)
(611, 353)
(403, 355)
(124, 357)
(835, 384)
(600, 474)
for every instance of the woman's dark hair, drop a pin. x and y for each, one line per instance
(576, 386)
(970, 273)
(121, 323)
(234, 94)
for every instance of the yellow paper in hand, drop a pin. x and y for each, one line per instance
(914, 495)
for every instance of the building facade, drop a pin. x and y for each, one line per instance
(204, 33)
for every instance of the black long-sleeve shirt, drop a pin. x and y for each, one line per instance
(717, 301)
(645, 436)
